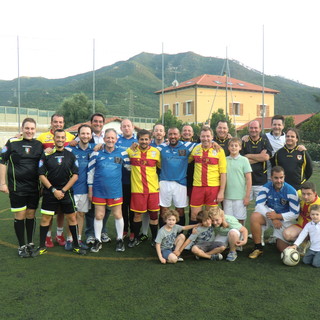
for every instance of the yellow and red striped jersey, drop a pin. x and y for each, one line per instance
(144, 177)
(208, 165)
(304, 215)
(46, 138)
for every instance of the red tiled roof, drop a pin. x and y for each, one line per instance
(207, 80)
(297, 118)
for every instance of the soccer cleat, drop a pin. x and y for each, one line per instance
(68, 246)
(232, 256)
(131, 237)
(82, 245)
(216, 257)
(90, 240)
(120, 245)
(96, 247)
(30, 247)
(255, 254)
(133, 243)
(304, 246)
(39, 251)
(240, 248)
(49, 242)
(79, 251)
(60, 240)
(105, 238)
(142, 237)
(180, 259)
(23, 252)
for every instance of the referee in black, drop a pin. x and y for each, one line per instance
(58, 172)
(19, 160)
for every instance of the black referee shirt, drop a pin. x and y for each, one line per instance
(58, 167)
(22, 158)
(297, 165)
(259, 169)
(223, 143)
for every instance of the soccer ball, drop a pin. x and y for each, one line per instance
(290, 257)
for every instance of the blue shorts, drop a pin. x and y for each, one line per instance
(166, 252)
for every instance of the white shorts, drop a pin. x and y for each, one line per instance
(277, 233)
(225, 239)
(172, 191)
(82, 202)
(254, 192)
(235, 208)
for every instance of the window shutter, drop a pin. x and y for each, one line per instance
(166, 107)
(184, 108)
(267, 111)
(192, 107)
(241, 109)
(174, 109)
(230, 109)
(258, 110)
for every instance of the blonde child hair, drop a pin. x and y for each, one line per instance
(169, 213)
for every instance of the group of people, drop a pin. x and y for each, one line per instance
(138, 178)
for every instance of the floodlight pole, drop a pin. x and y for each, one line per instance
(263, 106)
(93, 79)
(162, 92)
(19, 102)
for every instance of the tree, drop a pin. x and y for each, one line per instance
(170, 121)
(78, 108)
(288, 123)
(219, 115)
(310, 129)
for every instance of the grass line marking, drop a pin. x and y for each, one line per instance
(4, 210)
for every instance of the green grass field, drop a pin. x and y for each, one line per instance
(134, 285)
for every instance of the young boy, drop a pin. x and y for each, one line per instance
(237, 192)
(312, 229)
(228, 230)
(202, 239)
(168, 242)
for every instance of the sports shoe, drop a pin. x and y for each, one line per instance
(39, 251)
(142, 237)
(60, 240)
(216, 257)
(79, 251)
(133, 243)
(240, 248)
(68, 246)
(120, 245)
(131, 237)
(255, 254)
(49, 242)
(90, 240)
(96, 247)
(232, 256)
(125, 234)
(82, 245)
(30, 247)
(105, 238)
(153, 243)
(23, 252)
(180, 259)
(304, 246)
(272, 240)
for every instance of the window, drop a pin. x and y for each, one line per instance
(236, 108)
(175, 109)
(165, 108)
(260, 110)
(188, 107)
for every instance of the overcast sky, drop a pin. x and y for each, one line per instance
(56, 37)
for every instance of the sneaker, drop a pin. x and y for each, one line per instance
(272, 240)
(120, 245)
(232, 256)
(96, 247)
(105, 238)
(68, 246)
(79, 251)
(304, 246)
(82, 245)
(49, 242)
(60, 240)
(180, 259)
(39, 251)
(90, 240)
(30, 247)
(143, 237)
(255, 254)
(23, 252)
(216, 257)
(197, 258)
(131, 237)
(240, 248)
(133, 243)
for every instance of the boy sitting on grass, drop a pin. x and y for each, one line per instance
(168, 242)
(228, 230)
(202, 239)
(311, 229)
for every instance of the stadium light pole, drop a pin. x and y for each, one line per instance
(263, 106)
(18, 63)
(93, 78)
(162, 92)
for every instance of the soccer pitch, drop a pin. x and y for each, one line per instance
(134, 285)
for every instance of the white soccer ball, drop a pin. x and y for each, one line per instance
(290, 257)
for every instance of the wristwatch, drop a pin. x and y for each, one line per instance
(53, 189)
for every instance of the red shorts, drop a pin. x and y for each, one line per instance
(143, 202)
(108, 202)
(302, 221)
(204, 196)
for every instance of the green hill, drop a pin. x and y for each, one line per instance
(141, 76)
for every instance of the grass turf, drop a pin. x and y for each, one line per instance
(134, 285)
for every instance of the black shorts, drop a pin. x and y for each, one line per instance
(50, 204)
(20, 203)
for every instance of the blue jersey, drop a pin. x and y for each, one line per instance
(285, 201)
(126, 143)
(105, 172)
(82, 156)
(174, 162)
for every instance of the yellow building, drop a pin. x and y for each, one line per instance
(196, 99)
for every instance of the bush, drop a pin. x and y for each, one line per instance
(313, 150)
